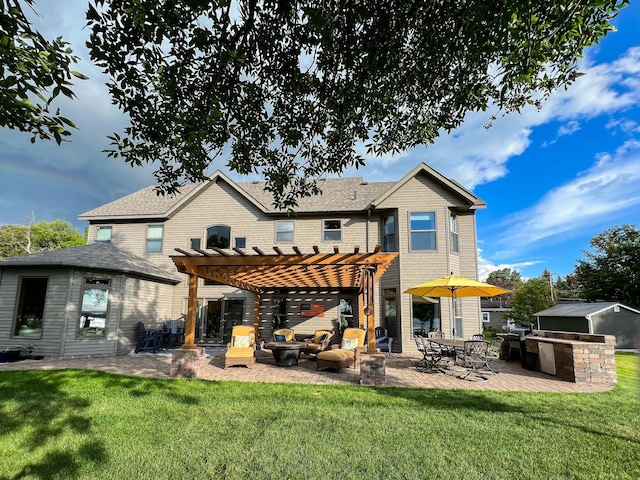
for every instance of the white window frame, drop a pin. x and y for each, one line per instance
(284, 228)
(326, 230)
(454, 233)
(152, 239)
(104, 228)
(434, 230)
(486, 317)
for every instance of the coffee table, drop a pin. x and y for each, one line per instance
(286, 354)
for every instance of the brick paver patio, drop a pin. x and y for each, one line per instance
(400, 372)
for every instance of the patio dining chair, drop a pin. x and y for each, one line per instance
(431, 355)
(473, 358)
(493, 352)
(476, 336)
(150, 340)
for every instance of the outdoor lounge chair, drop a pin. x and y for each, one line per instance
(320, 342)
(347, 355)
(150, 340)
(383, 342)
(241, 349)
(288, 334)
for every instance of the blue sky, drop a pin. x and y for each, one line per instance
(552, 179)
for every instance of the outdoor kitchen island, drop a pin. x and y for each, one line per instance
(574, 357)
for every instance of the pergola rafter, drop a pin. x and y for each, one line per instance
(261, 272)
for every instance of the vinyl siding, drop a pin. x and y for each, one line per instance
(54, 318)
(421, 194)
(220, 204)
(142, 301)
(75, 345)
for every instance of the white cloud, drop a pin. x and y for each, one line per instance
(474, 155)
(485, 266)
(601, 194)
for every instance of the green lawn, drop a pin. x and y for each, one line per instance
(90, 425)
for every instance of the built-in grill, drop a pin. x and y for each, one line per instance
(517, 344)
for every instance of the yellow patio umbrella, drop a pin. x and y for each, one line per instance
(455, 286)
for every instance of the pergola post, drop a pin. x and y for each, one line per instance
(256, 313)
(369, 282)
(192, 306)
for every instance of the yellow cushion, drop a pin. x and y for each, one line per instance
(239, 352)
(335, 355)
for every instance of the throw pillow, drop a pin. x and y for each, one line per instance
(280, 338)
(242, 341)
(349, 343)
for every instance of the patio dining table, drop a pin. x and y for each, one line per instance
(446, 348)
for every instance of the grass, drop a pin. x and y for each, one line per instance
(87, 425)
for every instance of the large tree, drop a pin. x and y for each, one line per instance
(609, 270)
(33, 72)
(507, 279)
(288, 89)
(38, 237)
(532, 296)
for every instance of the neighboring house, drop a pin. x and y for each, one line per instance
(81, 301)
(600, 318)
(494, 312)
(427, 218)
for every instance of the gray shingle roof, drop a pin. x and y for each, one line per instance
(145, 202)
(338, 195)
(577, 309)
(350, 194)
(97, 256)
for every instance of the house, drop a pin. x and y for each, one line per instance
(81, 301)
(604, 318)
(494, 313)
(219, 235)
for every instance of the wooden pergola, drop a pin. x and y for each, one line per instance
(259, 272)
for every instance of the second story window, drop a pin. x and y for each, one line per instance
(389, 234)
(332, 231)
(284, 231)
(195, 243)
(423, 230)
(241, 242)
(453, 230)
(154, 238)
(103, 234)
(219, 236)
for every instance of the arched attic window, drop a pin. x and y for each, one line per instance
(219, 236)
